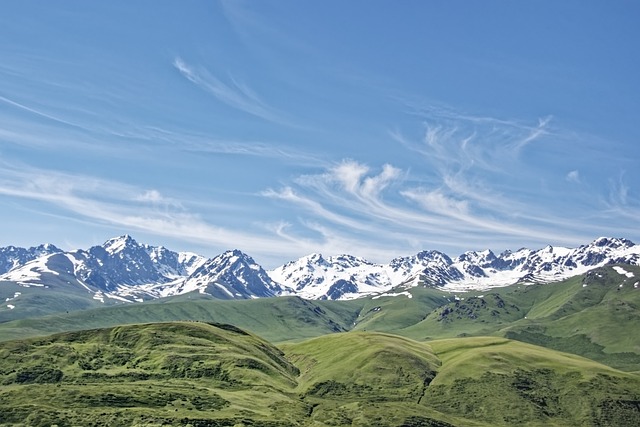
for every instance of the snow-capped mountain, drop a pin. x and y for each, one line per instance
(317, 277)
(123, 269)
(232, 274)
(336, 277)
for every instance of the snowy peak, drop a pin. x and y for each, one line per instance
(232, 274)
(347, 277)
(335, 277)
(120, 244)
(612, 243)
(419, 261)
(484, 258)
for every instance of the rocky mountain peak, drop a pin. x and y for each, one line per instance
(119, 244)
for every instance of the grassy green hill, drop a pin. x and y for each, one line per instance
(595, 316)
(504, 382)
(151, 374)
(199, 374)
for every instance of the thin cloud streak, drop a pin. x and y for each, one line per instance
(126, 139)
(237, 95)
(38, 112)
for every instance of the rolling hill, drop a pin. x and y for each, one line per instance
(200, 374)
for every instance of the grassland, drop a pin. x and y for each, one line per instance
(199, 374)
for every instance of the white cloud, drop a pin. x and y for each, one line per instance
(573, 176)
(435, 201)
(349, 174)
(128, 207)
(534, 133)
(154, 197)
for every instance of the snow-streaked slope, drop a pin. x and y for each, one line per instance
(232, 274)
(12, 257)
(30, 274)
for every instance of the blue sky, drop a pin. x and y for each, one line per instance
(282, 128)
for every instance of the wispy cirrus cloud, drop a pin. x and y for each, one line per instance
(124, 206)
(97, 201)
(185, 140)
(394, 211)
(122, 137)
(235, 94)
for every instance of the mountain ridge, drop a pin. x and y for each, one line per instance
(124, 270)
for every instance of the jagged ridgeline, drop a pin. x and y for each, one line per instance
(199, 374)
(124, 271)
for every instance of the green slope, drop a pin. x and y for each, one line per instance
(193, 373)
(40, 301)
(276, 319)
(152, 374)
(595, 316)
(505, 382)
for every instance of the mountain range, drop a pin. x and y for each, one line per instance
(123, 270)
(425, 340)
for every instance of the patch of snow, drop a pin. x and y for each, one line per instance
(621, 271)
(16, 295)
(99, 296)
(116, 297)
(391, 294)
(116, 245)
(29, 284)
(224, 289)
